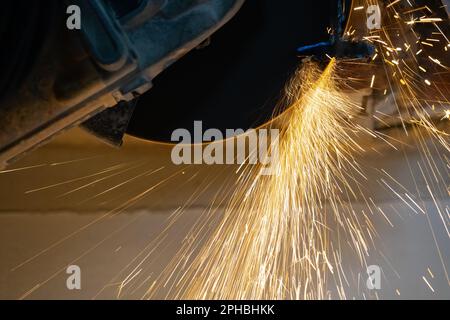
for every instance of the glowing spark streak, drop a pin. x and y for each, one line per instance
(111, 213)
(113, 168)
(98, 180)
(428, 284)
(23, 168)
(392, 3)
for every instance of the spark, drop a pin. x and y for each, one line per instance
(107, 170)
(431, 273)
(446, 115)
(428, 284)
(392, 3)
(23, 168)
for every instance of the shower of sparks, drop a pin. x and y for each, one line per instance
(285, 235)
(273, 241)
